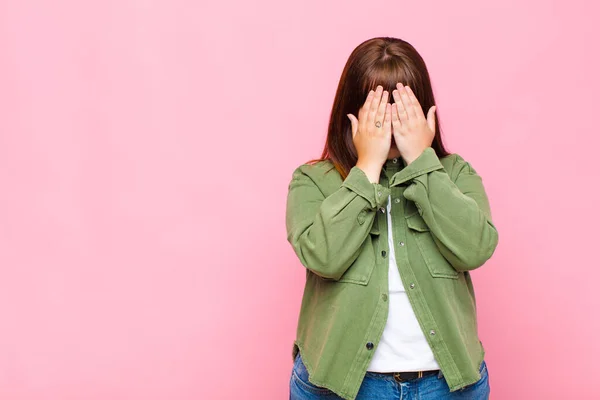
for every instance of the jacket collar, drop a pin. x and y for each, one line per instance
(394, 163)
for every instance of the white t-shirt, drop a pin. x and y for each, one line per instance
(403, 346)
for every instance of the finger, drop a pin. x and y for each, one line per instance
(353, 123)
(374, 105)
(410, 113)
(396, 95)
(382, 107)
(387, 123)
(364, 110)
(396, 121)
(402, 114)
(399, 108)
(363, 113)
(415, 103)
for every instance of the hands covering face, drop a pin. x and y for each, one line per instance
(412, 132)
(378, 121)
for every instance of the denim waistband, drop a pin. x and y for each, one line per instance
(390, 375)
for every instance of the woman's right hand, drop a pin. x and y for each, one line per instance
(373, 143)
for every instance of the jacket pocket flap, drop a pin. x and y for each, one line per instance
(417, 223)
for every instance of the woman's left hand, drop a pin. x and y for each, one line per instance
(412, 132)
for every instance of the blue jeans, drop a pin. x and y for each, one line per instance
(385, 387)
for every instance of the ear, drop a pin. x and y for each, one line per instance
(354, 123)
(431, 118)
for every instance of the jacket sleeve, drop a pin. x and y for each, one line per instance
(327, 233)
(457, 210)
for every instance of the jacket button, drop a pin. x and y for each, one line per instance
(384, 297)
(412, 285)
(401, 243)
(369, 345)
(432, 332)
(362, 216)
(383, 253)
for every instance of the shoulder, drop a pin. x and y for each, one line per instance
(455, 164)
(321, 174)
(315, 171)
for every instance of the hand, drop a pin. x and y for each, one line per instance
(412, 132)
(372, 131)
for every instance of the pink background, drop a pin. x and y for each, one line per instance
(145, 152)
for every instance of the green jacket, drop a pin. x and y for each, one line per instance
(443, 229)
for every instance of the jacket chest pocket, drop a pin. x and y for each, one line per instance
(438, 266)
(361, 269)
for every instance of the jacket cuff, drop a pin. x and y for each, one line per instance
(375, 193)
(426, 162)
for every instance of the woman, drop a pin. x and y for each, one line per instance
(389, 226)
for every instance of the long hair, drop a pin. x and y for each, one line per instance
(378, 61)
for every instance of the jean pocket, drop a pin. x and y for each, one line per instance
(482, 382)
(483, 368)
(301, 377)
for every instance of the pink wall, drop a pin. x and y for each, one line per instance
(145, 152)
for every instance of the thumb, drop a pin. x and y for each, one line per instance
(431, 118)
(354, 123)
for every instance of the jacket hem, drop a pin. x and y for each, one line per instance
(310, 370)
(459, 386)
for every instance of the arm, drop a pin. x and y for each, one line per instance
(326, 233)
(457, 211)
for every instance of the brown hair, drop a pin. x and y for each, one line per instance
(378, 61)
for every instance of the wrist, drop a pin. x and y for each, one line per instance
(372, 171)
